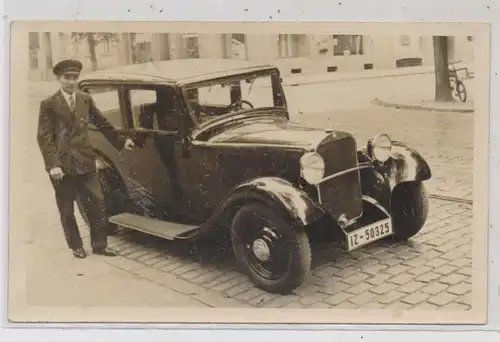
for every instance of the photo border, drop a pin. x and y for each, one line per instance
(19, 310)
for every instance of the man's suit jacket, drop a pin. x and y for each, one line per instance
(63, 134)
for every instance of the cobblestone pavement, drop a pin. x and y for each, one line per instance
(431, 271)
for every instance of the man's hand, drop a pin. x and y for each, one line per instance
(129, 144)
(56, 173)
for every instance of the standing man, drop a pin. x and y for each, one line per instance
(70, 159)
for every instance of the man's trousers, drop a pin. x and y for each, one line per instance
(88, 187)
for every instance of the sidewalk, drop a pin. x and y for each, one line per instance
(56, 278)
(428, 105)
(298, 80)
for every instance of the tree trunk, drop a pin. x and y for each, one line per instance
(133, 48)
(93, 58)
(48, 57)
(443, 91)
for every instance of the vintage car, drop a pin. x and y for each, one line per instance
(217, 153)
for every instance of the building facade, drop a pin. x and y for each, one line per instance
(292, 53)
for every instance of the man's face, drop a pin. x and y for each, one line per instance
(68, 82)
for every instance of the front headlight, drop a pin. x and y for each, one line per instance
(312, 167)
(380, 147)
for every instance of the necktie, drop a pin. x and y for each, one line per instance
(72, 103)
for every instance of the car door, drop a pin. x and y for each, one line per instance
(151, 164)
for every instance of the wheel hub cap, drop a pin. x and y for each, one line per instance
(261, 250)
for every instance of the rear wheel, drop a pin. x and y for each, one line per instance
(275, 255)
(409, 208)
(460, 92)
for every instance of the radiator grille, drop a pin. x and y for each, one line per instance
(341, 194)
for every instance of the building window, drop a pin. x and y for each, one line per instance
(63, 44)
(34, 47)
(34, 59)
(238, 46)
(347, 45)
(404, 40)
(34, 40)
(143, 51)
(289, 45)
(191, 45)
(106, 48)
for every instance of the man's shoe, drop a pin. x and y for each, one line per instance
(79, 253)
(105, 252)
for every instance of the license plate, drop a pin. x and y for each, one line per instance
(368, 234)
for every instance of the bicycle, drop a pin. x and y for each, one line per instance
(457, 85)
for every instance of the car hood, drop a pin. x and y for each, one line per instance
(274, 131)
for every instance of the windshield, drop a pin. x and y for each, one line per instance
(232, 95)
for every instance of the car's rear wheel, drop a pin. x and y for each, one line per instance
(113, 196)
(409, 208)
(276, 256)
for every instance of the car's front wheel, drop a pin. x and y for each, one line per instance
(409, 209)
(276, 256)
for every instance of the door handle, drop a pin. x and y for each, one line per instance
(185, 146)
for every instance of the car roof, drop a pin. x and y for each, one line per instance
(179, 71)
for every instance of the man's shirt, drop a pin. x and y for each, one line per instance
(67, 97)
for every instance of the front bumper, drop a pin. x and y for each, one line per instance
(374, 224)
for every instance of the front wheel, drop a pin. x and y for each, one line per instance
(276, 256)
(409, 208)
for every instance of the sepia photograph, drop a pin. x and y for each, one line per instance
(241, 172)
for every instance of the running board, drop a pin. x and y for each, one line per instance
(159, 228)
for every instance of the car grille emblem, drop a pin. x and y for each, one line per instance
(331, 132)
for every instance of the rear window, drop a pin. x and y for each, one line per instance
(108, 102)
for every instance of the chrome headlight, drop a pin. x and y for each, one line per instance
(380, 147)
(312, 168)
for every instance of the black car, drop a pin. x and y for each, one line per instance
(217, 153)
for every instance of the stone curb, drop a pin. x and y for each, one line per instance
(381, 103)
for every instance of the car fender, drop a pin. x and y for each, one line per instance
(295, 205)
(406, 165)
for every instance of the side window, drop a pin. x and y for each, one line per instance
(154, 109)
(108, 102)
(143, 105)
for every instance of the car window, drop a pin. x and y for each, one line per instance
(258, 92)
(108, 102)
(216, 99)
(142, 103)
(214, 95)
(154, 109)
